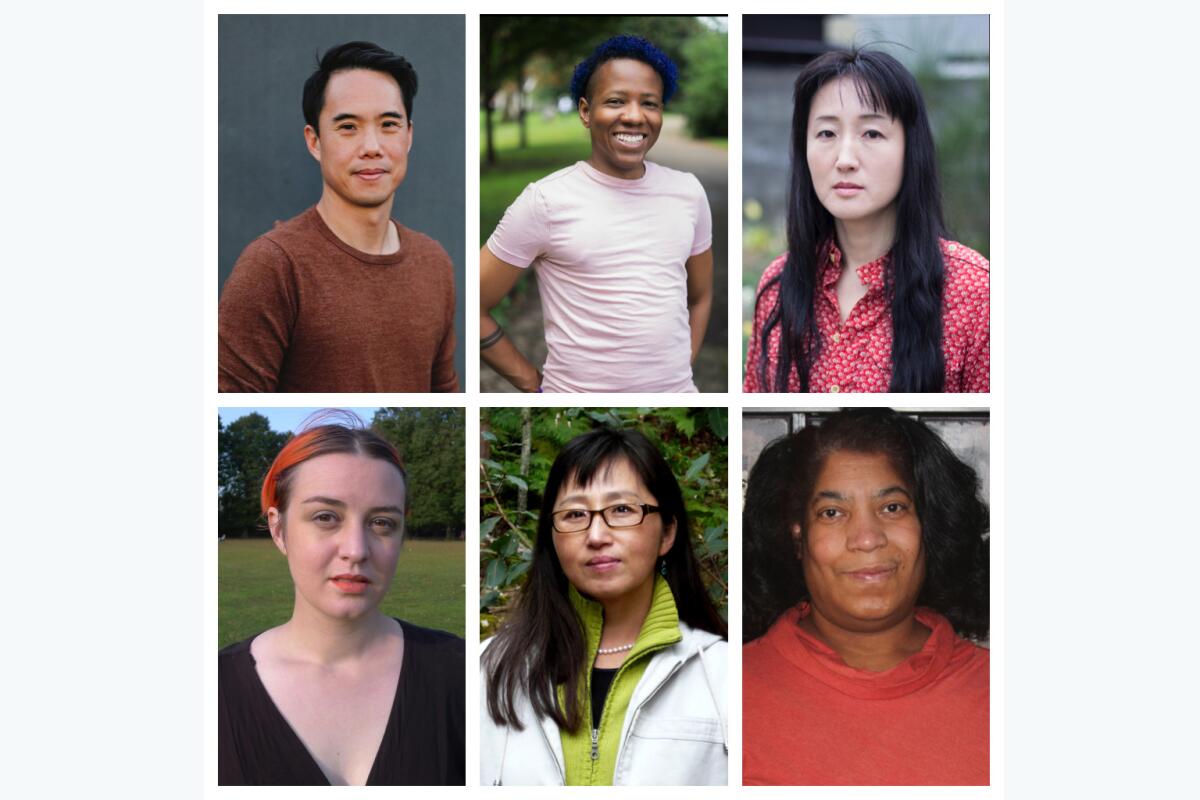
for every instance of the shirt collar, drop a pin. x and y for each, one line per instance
(661, 627)
(871, 273)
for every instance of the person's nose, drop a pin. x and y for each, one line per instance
(352, 544)
(847, 154)
(598, 532)
(370, 143)
(632, 113)
(866, 533)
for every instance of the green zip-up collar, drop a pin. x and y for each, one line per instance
(591, 755)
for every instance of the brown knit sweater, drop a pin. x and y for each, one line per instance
(305, 312)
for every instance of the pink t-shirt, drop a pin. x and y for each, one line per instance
(610, 255)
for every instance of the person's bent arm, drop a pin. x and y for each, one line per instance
(496, 279)
(699, 296)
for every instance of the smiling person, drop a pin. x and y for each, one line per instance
(611, 670)
(342, 298)
(871, 296)
(340, 693)
(866, 564)
(622, 246)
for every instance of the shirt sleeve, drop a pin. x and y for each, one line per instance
(765, 300)
(977, 361)
(254, 319)
(522, 233)
(702, 240)
(443, 378)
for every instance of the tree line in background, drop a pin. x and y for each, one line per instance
(514, 48)
(520, 444)
(430, 440)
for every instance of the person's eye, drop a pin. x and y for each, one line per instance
(346, 127)
(384, 524)
(623, 508)
(573, 514)
(829, 513)
(872, 134)
(614, 101)
(823, 134)
(895, 508)
(650, 104)
(325, 518)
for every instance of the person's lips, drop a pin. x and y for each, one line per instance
(872, 574)
(370, 174)
(351, 583)
(603, 563)
(846, 189)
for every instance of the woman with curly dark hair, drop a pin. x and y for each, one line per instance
(866, 565)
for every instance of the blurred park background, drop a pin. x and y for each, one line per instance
(948, 54)
(517, 449)
(528, 128)
(254, 588)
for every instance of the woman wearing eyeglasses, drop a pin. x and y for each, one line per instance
(611, 670)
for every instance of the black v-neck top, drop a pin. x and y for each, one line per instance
(423, 744)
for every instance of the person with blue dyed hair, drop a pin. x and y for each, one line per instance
(622, 246)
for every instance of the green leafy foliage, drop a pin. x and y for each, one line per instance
(245, 449)
(706, 102)
(693, 441)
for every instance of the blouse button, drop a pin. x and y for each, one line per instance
(835, 389)
(837, 337)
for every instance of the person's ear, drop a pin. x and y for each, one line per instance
(585, 112)
(410, 137)
(275, 525)
(313, 142)
(668, 539)
(798, 540)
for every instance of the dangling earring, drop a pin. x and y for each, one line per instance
(662, 566)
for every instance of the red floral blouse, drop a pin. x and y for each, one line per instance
(856, 356)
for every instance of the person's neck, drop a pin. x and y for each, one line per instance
(604, 168)
(313, 637)
(865, 240)
(873, 651)
(367, 229)
(624, 616)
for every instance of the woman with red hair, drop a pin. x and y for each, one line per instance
(340, 694)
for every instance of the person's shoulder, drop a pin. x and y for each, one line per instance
(769, 281)
(676, 178)
(295, 233)
(433, 640)
(235, 652)
(964, 263)
(422, 244)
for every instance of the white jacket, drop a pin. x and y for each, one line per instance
(675, 732)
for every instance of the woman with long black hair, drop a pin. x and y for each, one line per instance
(612, 669)
(871, 295)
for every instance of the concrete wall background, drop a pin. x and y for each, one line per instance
(266, 174)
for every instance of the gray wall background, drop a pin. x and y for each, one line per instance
(265, 172)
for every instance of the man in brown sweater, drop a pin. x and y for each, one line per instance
(342, 298)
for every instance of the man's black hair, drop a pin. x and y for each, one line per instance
(357, 55)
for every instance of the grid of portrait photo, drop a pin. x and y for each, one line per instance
(706, 495)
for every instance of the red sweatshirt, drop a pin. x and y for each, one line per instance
(809, 719)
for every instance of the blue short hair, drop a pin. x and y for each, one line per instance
(625, 46)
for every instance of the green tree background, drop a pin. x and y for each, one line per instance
(520, 444)
(430, 440)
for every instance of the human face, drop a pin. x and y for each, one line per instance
(624, 114)
(855, 155)
(860, 544)
(364, 138)
(341, 532)
(611, 564)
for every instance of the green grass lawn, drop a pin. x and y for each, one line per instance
(553, 144)
(254, 589)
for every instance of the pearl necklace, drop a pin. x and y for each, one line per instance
(607, 650)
